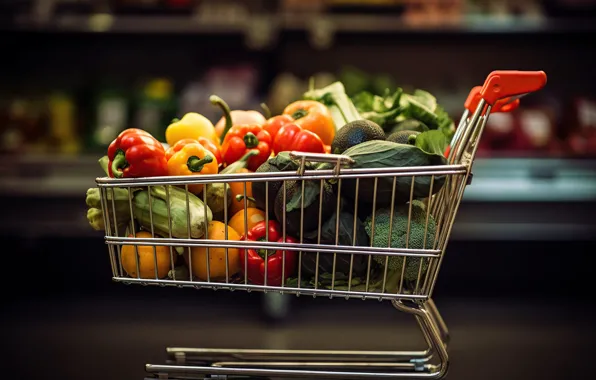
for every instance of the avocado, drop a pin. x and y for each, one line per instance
(311, 211)
(354, 133)
(403, 137)
(409, 125)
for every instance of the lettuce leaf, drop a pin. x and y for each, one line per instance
(432, 142)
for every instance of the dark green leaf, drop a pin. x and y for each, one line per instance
(311, 194)
(284, 162)
(387, 154)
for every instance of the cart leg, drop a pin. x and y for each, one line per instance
(307, 364)
(432, 332)
(438, 319)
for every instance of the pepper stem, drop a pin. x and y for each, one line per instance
(240, 197)
(299, 114)
(264, 253)
(217, 101)
(251, 140)
(118, 163)
(196, 164)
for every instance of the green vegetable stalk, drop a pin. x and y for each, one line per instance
(339, 104)
(215, 192)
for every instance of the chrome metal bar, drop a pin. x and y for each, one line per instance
(319, 365)
(277, 246)
(287, 289)
(220, 354)
(310, 374)
(152, 231)
(321, 157)
(271, 176)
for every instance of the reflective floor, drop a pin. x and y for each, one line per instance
(101, 338)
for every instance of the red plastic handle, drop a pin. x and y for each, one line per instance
(510, 83)
(502, 105)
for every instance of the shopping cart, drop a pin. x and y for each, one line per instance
(407, 282)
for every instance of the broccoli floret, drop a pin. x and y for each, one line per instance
(398, 240)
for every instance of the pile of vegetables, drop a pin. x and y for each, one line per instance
(392, 129)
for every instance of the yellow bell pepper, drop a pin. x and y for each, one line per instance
(193, 159)
(191, 126)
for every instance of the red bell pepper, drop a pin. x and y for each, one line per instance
(241, 139)
(254, 259)
(136, 153)
(205, 142)
(273, 124)
(237, 140)
(293, 137)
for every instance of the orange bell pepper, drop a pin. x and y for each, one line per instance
(313, 116)
(192, 159)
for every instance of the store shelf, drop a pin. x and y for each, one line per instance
(333, 23)
(532, 180)
(495, 179)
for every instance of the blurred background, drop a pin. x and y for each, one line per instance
(76, 72)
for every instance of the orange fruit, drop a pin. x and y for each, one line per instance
(237, 188)
(217, 256)
(147, 256)
(253, 216)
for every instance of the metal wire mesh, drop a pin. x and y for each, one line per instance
(338, 232)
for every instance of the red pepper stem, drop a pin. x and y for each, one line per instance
(264, 253)
(217, 101)
(299, 114)
(251, 140)
(119, 163)
(196, 164)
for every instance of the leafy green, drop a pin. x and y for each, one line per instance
(387, 154)
(339, 104)
(342, 282)
(345, 234)
(426, 98)
(395, 111)
(419, 108)
(432, 142)
(311, 194)
(383, 110)
(363, 101)
(446, 124)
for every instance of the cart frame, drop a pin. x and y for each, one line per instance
(500, 93)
